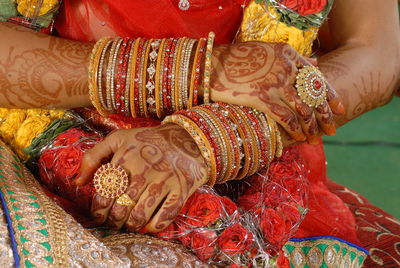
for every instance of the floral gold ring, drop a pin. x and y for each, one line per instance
(111, 181)
(311, 86)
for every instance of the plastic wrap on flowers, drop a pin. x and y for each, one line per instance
(251, 233)
(60, 161)
(35, 14)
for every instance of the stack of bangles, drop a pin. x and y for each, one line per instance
(163, 77)
(149, 78)
(235, 141)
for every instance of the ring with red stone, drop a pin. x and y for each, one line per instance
(111, 181)
(311, 86)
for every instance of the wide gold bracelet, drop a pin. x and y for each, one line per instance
(207, 68)
(94, 91)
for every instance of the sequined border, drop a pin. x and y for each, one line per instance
(37, 223)
(314, 252)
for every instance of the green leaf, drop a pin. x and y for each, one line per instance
(7, 9)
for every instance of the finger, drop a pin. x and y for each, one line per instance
(287, 119)
(93, 158)
(313, 61)
(303, 61)
(325, 119)
(119, 213)
(166, 214)
(100, 208)
(137, 184)
(334, 100)
(149, 201)
(305, 114)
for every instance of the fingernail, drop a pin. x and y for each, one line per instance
(330, 129)
(341, 108)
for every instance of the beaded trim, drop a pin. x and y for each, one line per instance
(324, 251)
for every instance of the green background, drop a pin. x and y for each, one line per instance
(364, 155)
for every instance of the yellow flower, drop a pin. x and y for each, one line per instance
(18, 127)
(262, 24)
(29, 129)
(29, 8)
(10, 125)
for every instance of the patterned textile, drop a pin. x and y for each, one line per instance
(378, 231)
(324, 251)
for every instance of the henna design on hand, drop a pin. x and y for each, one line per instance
(43, 76)
(165, 167)
(265, 74)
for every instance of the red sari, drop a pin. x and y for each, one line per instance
(89, 20)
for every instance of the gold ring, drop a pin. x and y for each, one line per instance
(311, 86)
(111, 181)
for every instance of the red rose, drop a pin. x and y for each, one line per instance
(228, 206)
(305, 7)
(68, 162)
(70, 136)
(296, 187)
(168, 233)
(183, 234)
(46, 162)
(250, 202)
(202, 209)
(291, 214)
(283, 170)
(282, 261)
(275, 194)
(256, 182)
(203, 244)
(273, 226)
(235, 240)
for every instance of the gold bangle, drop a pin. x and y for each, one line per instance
(255, 143)
(100, 74)
(242, 141)
(207, 68)
(195, 72)
(178, 80)
(226, 149)
(93, 74)
(151, 74)
(132, 73)
(200, 139)
(271, 126)
(143, 101)
(159, 77)
(184, 89)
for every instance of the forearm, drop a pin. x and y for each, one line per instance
(38, 70)
(364, 76)
(365, 66)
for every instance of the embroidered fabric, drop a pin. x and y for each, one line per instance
(6, 253)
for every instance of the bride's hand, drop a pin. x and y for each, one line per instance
(263, 76)
(164, 166)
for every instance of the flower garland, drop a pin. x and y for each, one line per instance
(18, 127)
